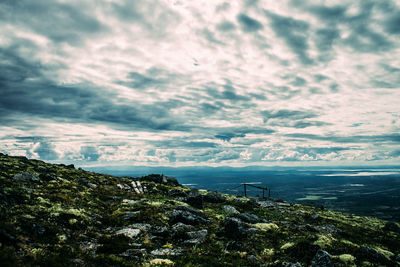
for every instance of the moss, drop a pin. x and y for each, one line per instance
(266, 226)
(287, 245)
(324, 241)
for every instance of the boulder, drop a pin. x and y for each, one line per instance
(26, 177)
(196, 237)
(188, 216)
(247, 217)
(167, 252)
(161, 179)
(234, 227)
(322, 259)
(230, 210)
(129, 232)
(214, 197)
(195, 199)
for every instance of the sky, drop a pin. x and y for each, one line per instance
(196, 82)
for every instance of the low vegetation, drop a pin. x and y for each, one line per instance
(57, 215)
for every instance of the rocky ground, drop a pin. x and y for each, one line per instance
(57, 215)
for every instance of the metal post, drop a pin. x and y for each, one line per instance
(269, 193)
(245, 194)
(263, 194)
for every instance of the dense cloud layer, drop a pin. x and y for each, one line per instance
(164, 82)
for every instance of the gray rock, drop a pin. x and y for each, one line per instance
(195, 199)
(247, 217)
(167, 252)
(134, 254)
(322, 259)
(214, 197)
(196, 237)
(160, 231)
(141, 226)
(188, 216)
(130, 214)
(285, 264)
(178, 193)
(267, 204)
(129, 232)
(234, 227)
(230, 210)
(26, 177)
(181, 227)
(372, 255)
(131, 201)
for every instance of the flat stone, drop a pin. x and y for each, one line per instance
(230, 210)
(129, 232)
(167, 252)
(322, 259)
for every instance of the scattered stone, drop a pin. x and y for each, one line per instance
(214, 197)
(322, 259)
(247, 217)
(161, 179)
(181, 227)
(230, 210)
(328, 229)
(195, 199)
(131, 201)
(26, 177)
(371, 255)
(196, 237)
(134, 254)
(160, 231)
(188, 216)
(167, 252)
(129, 232)
(178, 193)
(391, 226)
(267, 204)
(253, 259)
(130, 214)
(285, 264)
(78, 262)
(235, 227)
(141, 226)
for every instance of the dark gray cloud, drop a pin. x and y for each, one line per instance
(363, 37)
(389, 138)
(226, 26)
(249, 24)
(287, 114)
(295, 34)
(60, 22)
(27, 92)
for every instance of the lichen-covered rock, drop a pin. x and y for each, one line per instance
(247, 217)
(322, 259)
(167, 252)
(129, 232)
(230, 210)
(26, 177)
(195, 199)
(196, 237)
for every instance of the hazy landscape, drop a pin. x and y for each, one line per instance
(360, 190)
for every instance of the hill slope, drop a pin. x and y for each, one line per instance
(61, 216)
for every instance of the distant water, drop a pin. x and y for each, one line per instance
(361, 191)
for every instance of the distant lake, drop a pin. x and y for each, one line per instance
(358, 190)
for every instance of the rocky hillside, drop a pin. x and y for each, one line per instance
(57, 215)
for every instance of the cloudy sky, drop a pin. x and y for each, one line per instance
(198, 82)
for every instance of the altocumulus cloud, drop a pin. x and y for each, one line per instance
(164, 82)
